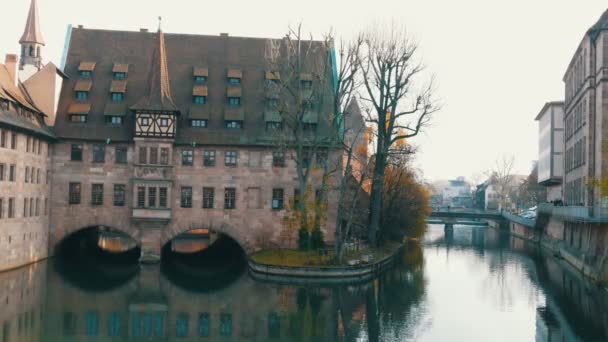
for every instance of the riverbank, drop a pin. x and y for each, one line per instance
(560, 250)
(290, 266)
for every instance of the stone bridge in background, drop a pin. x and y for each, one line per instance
(450, 217)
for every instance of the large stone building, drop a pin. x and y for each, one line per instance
(577, 230)
(153, 135)
(26, 106)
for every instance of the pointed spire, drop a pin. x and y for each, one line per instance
(32, 33)
(158, 97)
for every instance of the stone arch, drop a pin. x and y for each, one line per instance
(58, 235)
(225, 229)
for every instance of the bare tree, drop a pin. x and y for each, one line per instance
(398, 108)
(299, 102)
(501, 177)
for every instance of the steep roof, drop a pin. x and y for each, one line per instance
(184, 55)
(18, 95)
(601, 24)
(32, 33)
(158, 96)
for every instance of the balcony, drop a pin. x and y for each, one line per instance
(573, 213)
(151, 214)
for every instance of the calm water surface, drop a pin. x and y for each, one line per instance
(471, 284)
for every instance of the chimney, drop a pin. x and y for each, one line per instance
(80, 26)
(11, 65)
(143, 30)
(223, 34)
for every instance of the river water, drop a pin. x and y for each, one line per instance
(470, 284)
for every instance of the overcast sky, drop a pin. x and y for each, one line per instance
(496, 62)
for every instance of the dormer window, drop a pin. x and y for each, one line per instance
(199, 94)
(85, 69)
(82, 95)
(234, 101)
(200, 75)
(118, 97)
(84, 73)
(200, 99)
(306, 81)
(114, 120)
(198, 123)
(306, 84)
(78, 118)
(234, 76)
(119, 71)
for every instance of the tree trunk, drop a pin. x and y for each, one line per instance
(376, 200)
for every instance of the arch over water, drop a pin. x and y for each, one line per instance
(223, 229)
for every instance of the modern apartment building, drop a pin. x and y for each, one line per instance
(551, 149)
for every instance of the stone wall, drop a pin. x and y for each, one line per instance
(252, 223)
(24, 237)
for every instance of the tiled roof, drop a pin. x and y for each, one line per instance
(216, 57)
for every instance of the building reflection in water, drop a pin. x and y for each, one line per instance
(44, 302)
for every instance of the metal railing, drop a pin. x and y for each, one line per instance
(518, 219)
(573, 212)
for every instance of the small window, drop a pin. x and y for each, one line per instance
(209, 158)
(278, 159)
(162, 197)
(274, 126)
(164, 122)
(153, 155)
(114, 120)
(208, 194)
(229, 198)
(82, 95)
(233, 124)
(234, 81)
(97, 194)
(164, 156)
(118, 97)
(226, 324)
(76, 152)
(12, 170)
(199, 99)
(119, 76)
(2, 168)
(204, 324)
(145, 121)
(78, 118)
(181, 325)
(143, 155)
(200, 79)
(141, 196)
(234, 101)
(306, 84)
(186, 197)
(187, 157)
(321, 159)
(230, 158)
(152, 197)
(198, 123)
(99, 153)
(74, 193)
(84, 74)
(27, 174)
(277, 199)
(13, 141)
(2, 138)
(119, 195)
(121, 155)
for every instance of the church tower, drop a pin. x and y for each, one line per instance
(31, 41)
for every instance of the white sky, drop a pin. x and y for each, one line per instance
(496, 63)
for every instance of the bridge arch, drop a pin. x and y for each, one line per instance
(224, 229)
(59, 235)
